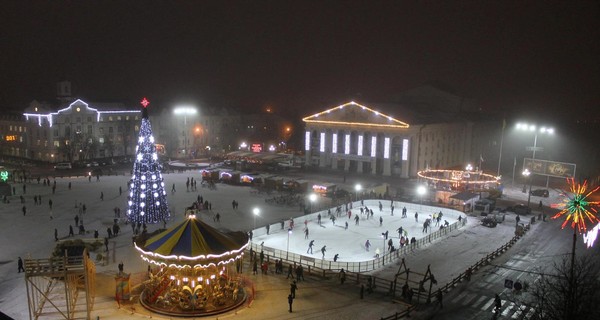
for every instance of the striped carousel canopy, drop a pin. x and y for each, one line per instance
(194, 238)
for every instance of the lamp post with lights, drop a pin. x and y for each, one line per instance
(532, 128)
(255, 213)
(357, 188)
(185, 111)
(287, 253)
(312, 198)
(421, 191)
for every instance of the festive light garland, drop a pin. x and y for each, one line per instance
(394, 123)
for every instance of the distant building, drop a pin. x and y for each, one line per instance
(13, 135)
(429, 128)
(78, 130)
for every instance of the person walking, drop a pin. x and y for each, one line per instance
(71, 233)
(416, 216)
(106, 243)
(323, 251)
(305, 233)
(342, 276)
(20, 265)
(367, 245)
(290, 272)
(55, 234)
(440, 298)
(335, 257)
(380, 221)
(120, 190)
(293, 288)
(76, 220)
(101, 196)
(121, 267)
(24, 210)
(518, 218)
(290, 302)
(356, 219)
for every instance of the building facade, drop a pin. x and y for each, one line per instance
(354, 138)
(79, 130)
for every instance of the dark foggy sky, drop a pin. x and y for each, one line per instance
(303, 55)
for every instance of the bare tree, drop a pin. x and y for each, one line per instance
(551, 292)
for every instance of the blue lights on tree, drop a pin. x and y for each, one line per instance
(147, 201)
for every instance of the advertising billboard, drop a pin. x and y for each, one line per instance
(550, 168)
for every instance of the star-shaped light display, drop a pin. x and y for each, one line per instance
(145, 102)
(579, 208)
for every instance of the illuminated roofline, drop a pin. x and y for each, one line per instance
(175, 257)
(399, 124)
(423, 174)
(51, 114)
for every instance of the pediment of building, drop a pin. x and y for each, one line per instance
(354, 114)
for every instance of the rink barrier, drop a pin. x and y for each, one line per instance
(359, 266)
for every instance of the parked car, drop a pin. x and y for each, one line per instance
(521, 209)
(63, 166)
(489, 222)
(540, 193)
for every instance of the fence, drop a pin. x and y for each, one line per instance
(368, 265)
(463, 276)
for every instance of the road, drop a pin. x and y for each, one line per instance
(534, 254)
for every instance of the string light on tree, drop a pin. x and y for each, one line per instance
(147, 201)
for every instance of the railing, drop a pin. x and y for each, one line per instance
(368, 265)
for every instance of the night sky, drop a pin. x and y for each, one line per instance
(524, 56)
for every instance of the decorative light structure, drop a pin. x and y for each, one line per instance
(577, 209)
(147, 201)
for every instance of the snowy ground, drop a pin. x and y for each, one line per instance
(32, 235)
(350, 243)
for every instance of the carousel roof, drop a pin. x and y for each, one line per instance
(194, 238)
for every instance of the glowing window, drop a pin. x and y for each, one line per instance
(334, 143)
(360, 145)
(373, 147)
(322, 145)
(404, 149)
(347, 144)
(307, 141)
(386, 148)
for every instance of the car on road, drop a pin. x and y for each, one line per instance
(540, 193)
(521, 209)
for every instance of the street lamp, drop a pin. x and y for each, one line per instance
(185, 111)
(287, 253)
(468, 168)
(312, 197)
(357, 187)
(255, 212)
(421, 191)
(526, 174)
(532, 128)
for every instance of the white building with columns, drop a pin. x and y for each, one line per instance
(354, 138)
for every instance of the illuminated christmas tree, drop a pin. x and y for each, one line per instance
(147, 199)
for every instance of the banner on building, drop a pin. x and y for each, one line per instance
(550, 168)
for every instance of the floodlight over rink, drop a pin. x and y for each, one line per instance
(458, 177)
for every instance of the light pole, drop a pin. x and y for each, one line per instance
(185, 111)
(287, 253)
(312, 197)
(532, 128)
(255, 212)
(469, 168)
(421, 191)
(357, 188)
(526, 174)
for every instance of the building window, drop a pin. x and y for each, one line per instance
(119, 118)
(359, 150)
(307, 140)
(89, 119)
(334, 143)
(127, 118)
(347, 144)
(110, 118)
(89, 129)
(78, 119)
(110, 130)
(56, 143)
(101, 130)
(322, 142)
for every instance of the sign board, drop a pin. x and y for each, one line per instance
(550, 168)
(534, 148)
(256, 147)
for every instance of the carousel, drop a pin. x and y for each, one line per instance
(197, 273)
